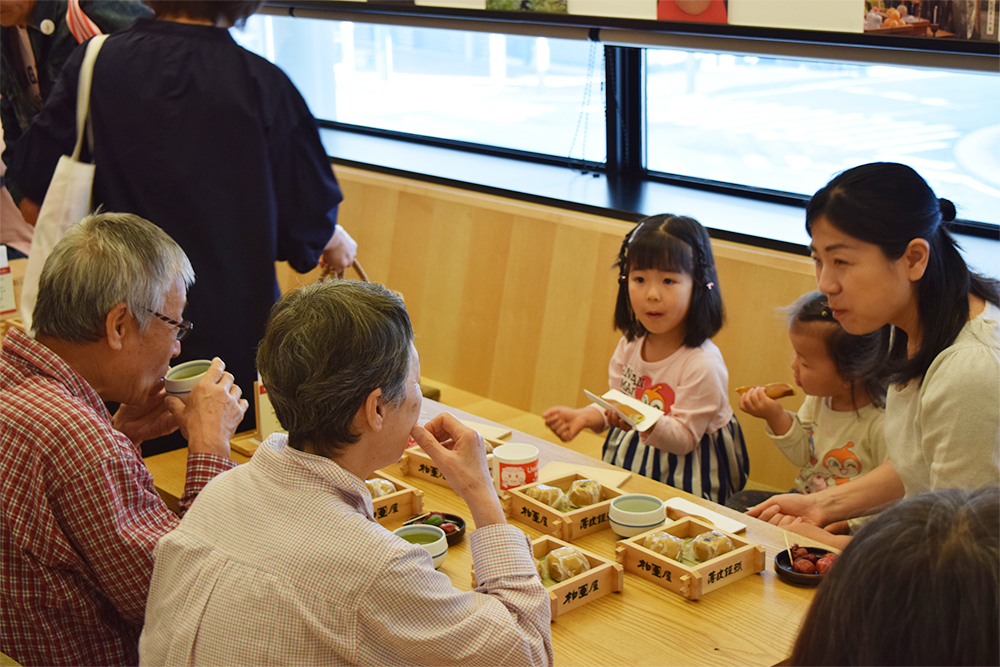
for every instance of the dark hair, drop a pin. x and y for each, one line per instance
(230, 12)
(672, 243)
(855, 357)
(918, 585)
(889, 205)
(326, 348)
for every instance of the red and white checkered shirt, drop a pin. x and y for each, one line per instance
(79, 518)
(280, 562)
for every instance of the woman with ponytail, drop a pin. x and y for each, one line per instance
(885, 258)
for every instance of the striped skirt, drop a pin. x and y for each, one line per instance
(714, 470)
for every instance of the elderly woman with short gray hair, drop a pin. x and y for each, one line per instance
(291, 538)
(81, 513)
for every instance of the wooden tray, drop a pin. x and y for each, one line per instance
(416, 463)
(401, 505)
(564, 525)
(603, 577)
(745, 559)
(246, 443)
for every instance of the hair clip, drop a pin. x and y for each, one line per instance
(709, 285)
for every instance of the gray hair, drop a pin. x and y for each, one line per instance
(104, 260)
(326, 348)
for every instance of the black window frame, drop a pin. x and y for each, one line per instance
(624, 170)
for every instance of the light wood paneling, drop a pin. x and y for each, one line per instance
(514, 301)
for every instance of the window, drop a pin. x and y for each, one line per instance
(790, 125)
(530, 94)
(743, 123)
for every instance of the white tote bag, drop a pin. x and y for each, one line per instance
(67, 201)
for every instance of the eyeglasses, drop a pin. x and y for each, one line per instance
(184, 327)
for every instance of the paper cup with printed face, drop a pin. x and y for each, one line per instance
(182, 378)
(514, 464)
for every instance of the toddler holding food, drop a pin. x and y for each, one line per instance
(837, 435)
(668, 308)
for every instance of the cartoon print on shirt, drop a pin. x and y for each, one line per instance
(817, 483)
(843, 464)
(659, 395)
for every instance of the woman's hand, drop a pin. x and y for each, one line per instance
(787, 506)
(813, 532)
(460, 454)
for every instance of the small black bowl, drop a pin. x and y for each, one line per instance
(452, 538)
(783, 567)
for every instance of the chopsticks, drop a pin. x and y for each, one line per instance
(784, 533)
(427, 514)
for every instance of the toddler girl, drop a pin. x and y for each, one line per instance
(837, 434)
(668, 307)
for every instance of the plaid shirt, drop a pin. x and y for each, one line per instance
(285, 552)
(80, 516)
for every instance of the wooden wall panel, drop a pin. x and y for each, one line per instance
(514, 301)
(521, 308)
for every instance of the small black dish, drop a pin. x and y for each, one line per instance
(783, 567)
(452, 538)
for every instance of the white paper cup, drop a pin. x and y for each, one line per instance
(514, 464)
(182, 378)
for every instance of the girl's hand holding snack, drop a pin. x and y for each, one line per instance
(615, 420)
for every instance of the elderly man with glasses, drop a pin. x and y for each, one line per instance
(80, 514)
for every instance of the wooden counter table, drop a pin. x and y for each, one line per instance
(753, 621)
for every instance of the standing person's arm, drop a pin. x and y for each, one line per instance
(306, 191)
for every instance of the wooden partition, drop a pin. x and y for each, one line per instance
(514, 301)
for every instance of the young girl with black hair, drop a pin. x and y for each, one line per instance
(884, 256)
(837, 435)
(668, 307)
